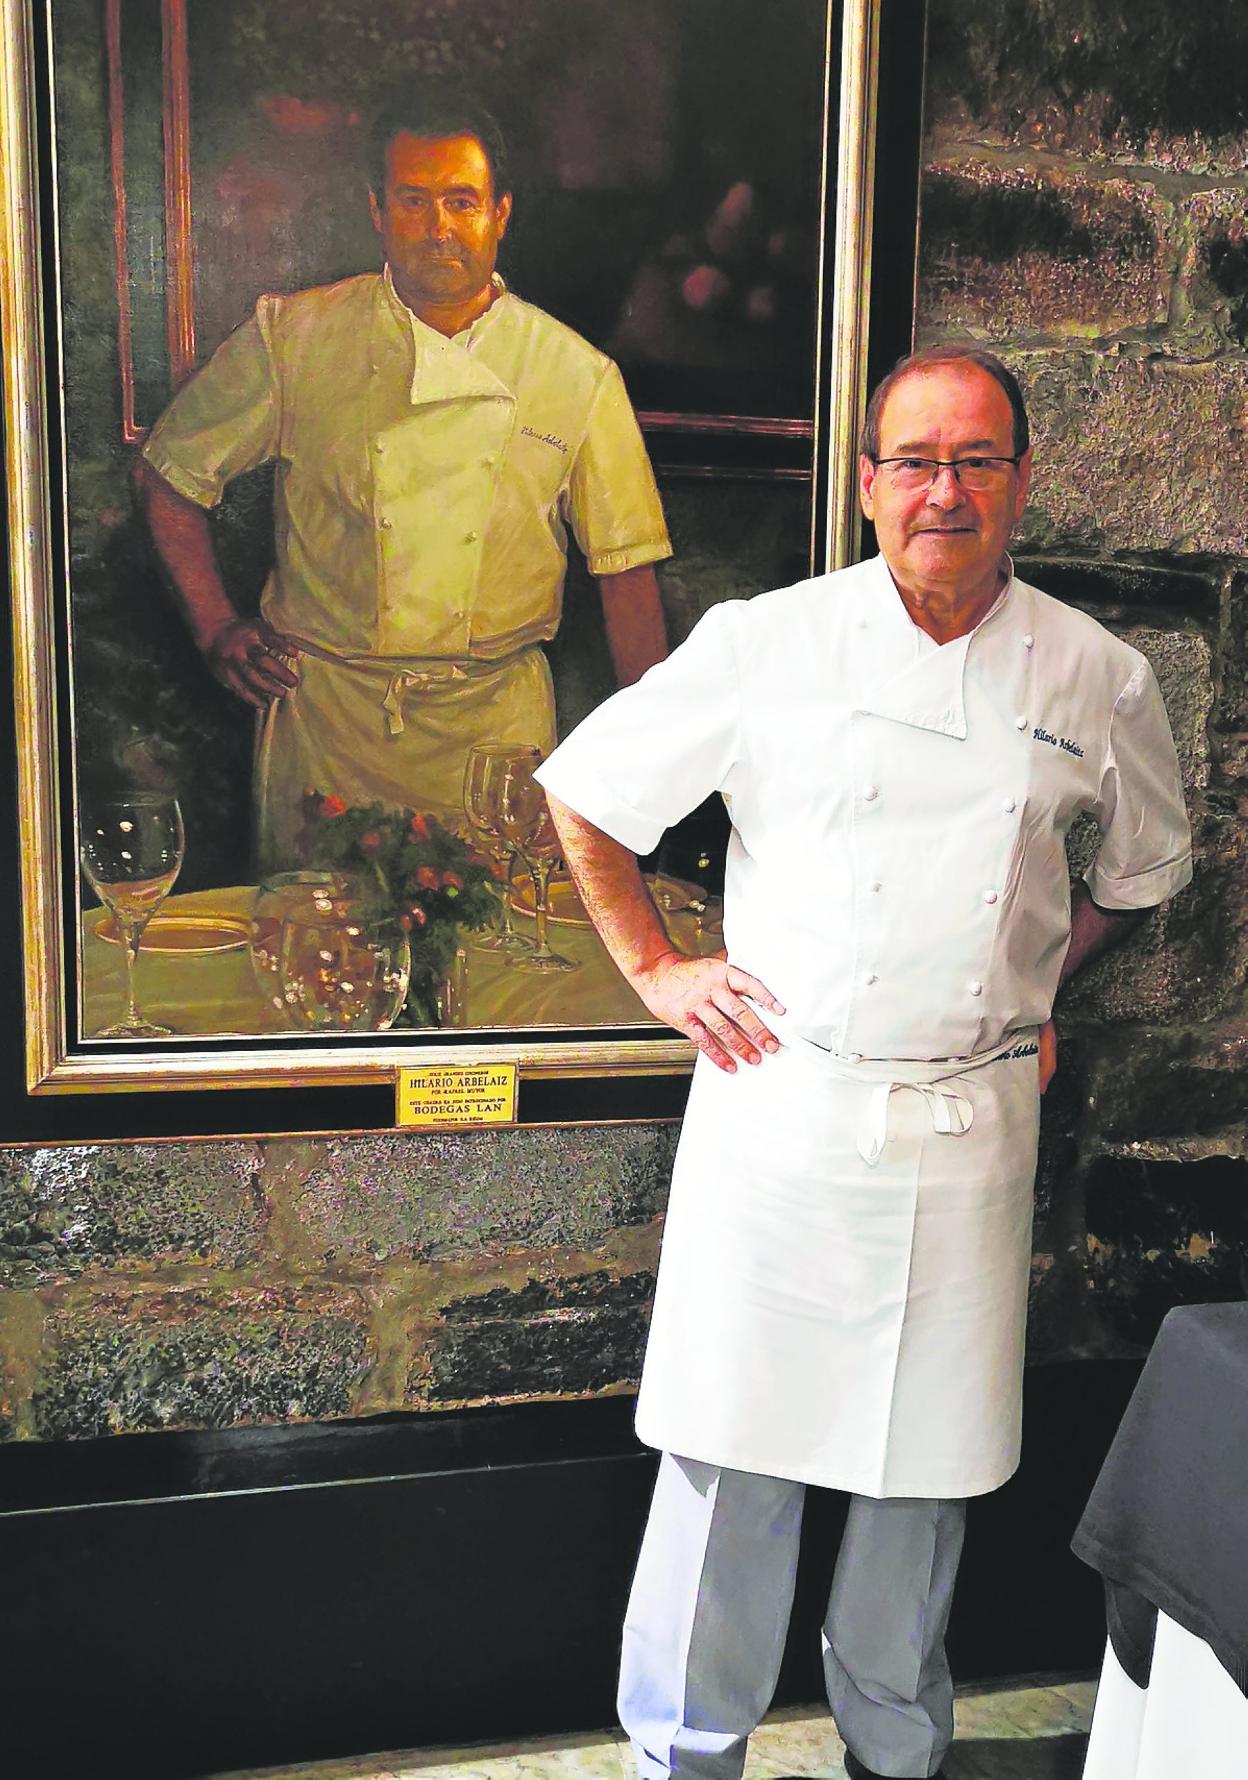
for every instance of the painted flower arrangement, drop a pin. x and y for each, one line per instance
(407, 867)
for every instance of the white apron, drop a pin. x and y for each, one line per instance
(838, 1321)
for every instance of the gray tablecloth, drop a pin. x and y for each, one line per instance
(1167, 1522)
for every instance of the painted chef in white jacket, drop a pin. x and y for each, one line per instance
(902, 748)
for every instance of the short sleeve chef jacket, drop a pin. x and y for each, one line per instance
(424, 485)
(896, 873)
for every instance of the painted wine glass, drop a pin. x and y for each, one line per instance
(524, 820)
(131, 850)
(487, 767)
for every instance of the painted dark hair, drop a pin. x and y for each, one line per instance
(946, 355)
(436, 108)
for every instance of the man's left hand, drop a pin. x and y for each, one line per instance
(1048, 1053)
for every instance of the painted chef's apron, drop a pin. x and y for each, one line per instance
(391, 732)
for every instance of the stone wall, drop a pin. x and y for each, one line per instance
(213, 1284)
(1084, 203)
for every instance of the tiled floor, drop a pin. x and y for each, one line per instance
(1022, 1733)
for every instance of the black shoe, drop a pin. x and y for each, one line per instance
(859, 1771)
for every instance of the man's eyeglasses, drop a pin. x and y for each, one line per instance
(978, 474)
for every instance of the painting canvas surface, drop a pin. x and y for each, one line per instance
(666, 160)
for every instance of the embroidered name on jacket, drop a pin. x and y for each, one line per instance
(1023, 1050)
(1062, 742)
(528, 432)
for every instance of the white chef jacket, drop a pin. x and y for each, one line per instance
(896, 873)
(424, 492)
(425, 485)
(843, 1284)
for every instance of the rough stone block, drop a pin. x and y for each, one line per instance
(563, 1338)
(1120, 593)
(1149, 81)
(135, 1206)
(1009, 252)
(1190, 958)
(1183, 663)
(1161, 1234)
(437, 1195)
(1172, 1085)
(1216, 272)
(1190, 961)
(598, 1290)
(119, 1362)
(1136, 454)
(21, 1342)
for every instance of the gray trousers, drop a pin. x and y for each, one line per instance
(709, 1611)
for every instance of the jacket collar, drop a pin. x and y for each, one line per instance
(441, 370)
(928, 690)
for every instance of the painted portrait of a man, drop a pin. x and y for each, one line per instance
(436, 437)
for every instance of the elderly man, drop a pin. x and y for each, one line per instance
(902, 747)
(434, 437)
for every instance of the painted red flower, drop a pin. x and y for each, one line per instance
(370, 842)
(418, 916)
(453, 879)
(331, 806)
(428, 878)
(419, 828)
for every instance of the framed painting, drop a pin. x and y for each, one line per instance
(212, 279)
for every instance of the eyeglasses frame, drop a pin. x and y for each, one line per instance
(949, 463)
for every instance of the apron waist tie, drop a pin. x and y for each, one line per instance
(951, 1112)
(418, 680)
(416, 675)
(951, 1115)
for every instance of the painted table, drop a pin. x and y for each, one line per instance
(198, 993)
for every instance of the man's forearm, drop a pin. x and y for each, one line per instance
(1094, 930)
(183, 537)
(632, 611)
(702, 997)
(245, 654)
(615, 896)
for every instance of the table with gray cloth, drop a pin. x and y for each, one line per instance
(1166, 1524)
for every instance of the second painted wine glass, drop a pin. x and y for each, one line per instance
(524, 819)
(488, 764)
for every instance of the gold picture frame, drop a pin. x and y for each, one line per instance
(57, 1060)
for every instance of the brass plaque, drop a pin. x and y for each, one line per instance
(457, 1094)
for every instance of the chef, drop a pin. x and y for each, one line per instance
(902, 747)
(435, 438)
